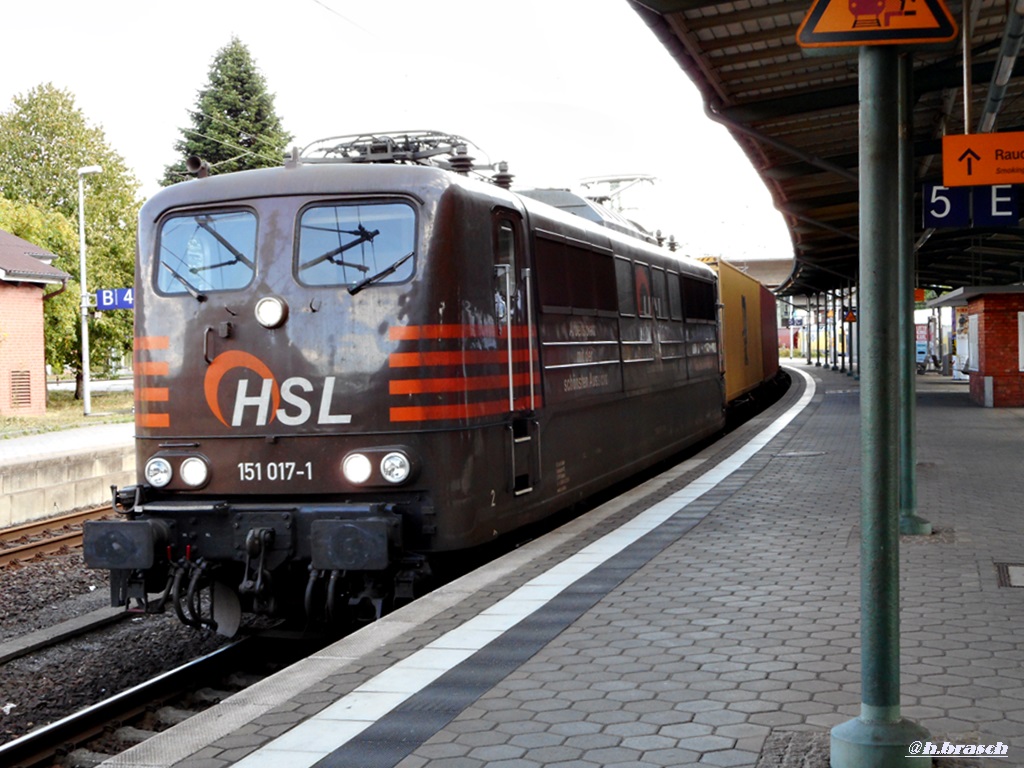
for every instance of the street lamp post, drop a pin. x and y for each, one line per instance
(82, 173)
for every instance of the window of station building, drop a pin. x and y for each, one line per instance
(675, 297)
(1020, 341)
(659, 286)
(698, 299)
(352, 243)
(206, 251)
(973, 355)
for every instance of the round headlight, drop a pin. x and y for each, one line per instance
(395, 467)
(271, 311)
(194, 471)
(356, 468)
(158, 472)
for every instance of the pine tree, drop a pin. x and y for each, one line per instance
(234, 125)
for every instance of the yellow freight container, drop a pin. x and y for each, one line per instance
(747, 311)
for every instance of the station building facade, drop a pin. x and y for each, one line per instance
(26, 275)
(994, 319)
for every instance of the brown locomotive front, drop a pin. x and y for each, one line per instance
(345, 369)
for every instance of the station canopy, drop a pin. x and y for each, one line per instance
(795, 114)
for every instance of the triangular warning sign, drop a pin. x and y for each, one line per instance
(831, 23)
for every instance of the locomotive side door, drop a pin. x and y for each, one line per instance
(513, 313)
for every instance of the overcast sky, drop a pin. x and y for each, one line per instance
(560, 89)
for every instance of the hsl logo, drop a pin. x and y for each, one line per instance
(266, 403)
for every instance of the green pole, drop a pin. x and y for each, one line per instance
(879, 737)
(836, 325)
(910, 522)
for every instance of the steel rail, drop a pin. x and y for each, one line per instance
(42, 744)
(28, 550)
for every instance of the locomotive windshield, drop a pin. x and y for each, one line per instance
(356, 244)
(206, 251)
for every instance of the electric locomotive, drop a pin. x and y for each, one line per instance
(345, 369)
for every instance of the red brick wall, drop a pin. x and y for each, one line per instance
(998, 355)
(21, 346)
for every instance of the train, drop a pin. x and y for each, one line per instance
(363, 362)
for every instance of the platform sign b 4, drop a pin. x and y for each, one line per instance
(115, 298)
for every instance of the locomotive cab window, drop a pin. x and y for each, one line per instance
(206, 251)
(356, 244)
(505, 279)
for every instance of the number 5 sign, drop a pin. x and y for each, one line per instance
(951, 207)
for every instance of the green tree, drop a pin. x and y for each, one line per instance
(234, 124)
(44, 140)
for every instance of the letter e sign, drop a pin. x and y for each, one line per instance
(995, 206)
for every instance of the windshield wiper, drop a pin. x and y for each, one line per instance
(204, 222)
(192, 290)
(357, 287)
(363, 235)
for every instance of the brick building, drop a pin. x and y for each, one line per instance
(25, 273)
(995, 364)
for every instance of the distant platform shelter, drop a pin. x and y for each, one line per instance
(25, 273)
(994, 334)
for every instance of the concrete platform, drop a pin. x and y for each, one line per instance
(54, 472)
(709, 617)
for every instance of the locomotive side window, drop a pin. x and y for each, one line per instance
(574, 277)
(627, 292)
(643, 289)
(206, 251)
(602, 270)
(660, 289)
(356, 244)
(675, 297)
(699, 299)
(554, 282)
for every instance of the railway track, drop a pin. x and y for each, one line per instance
(23, 542)
(113, 725)
(45, 745)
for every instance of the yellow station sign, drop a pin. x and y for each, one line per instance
(834, 23)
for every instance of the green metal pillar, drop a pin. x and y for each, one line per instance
(817, 330)
(835, 325)
(845, 333)
(823, 320)
(857, 331)
(910, 522)
(879, 737)
(808, 325)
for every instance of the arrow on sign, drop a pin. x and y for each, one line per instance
(969, 154)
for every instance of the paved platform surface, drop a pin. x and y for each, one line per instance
(58, 444)
(727, 635)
